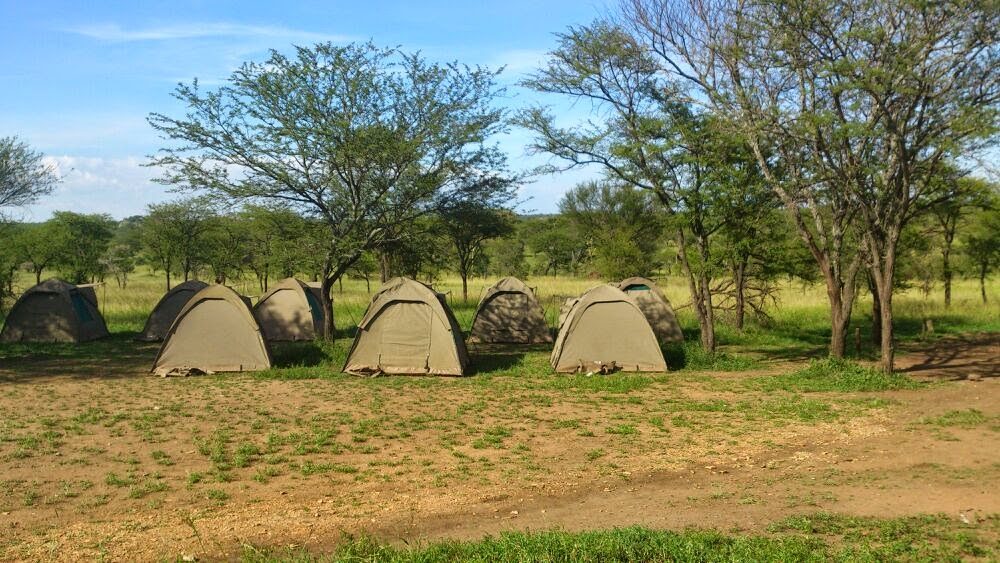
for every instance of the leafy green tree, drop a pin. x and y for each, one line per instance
(10, 260)
(40, 246)
(174, 236)
(84, 240)
(505, 255)
(364, 139)
(24, 174)
(622, 224)
(982, 244)
(554, 240)
(864, 119)
(468, 225)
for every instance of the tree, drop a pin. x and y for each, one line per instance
(24, 174)
(227, 247)
(554, 239)
(643, 133)
(83, 242)
(468, 225)
(866, 99)
(119, 261)
(982, 245)
(40, 246)
(622, 225)
(10, 259)
(364, 139)
(960, 196)
(173, 236)
(505, 255)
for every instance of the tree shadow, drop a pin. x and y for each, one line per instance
(116, 356)
(488, 358)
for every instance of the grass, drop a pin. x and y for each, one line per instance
(798, 326)
(820, 537)
(832, 374)
(968, 418)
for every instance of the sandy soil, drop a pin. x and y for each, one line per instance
(420, 460)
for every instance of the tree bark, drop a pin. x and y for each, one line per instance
(699, 288)
(465, 286)
(739, 278)
(876, 311)
(383, 267)
(946, 271)
(982, 282)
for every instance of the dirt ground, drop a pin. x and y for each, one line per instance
(103, 461)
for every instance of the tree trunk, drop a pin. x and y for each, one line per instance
(38, 276)
(383, 267)
(465, 285)
(982, 282)
(876, 311)
(699, 289)
(888, 344)
(168, 278)
(326, 300)
(946, 272)
(739, 278)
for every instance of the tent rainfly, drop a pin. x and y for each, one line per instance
(166, 310)
(215, 331)
(290, 311)
(408, 329)
(604, 330)
(509, 313)
(655, 305)
(54, 311)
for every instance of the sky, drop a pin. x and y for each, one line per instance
(79, 78)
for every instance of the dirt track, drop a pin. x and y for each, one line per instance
(899, 459)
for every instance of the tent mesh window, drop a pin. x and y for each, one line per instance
(637, 287)
(81, 308)
(315, 307)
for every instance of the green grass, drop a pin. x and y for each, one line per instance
(968, 418)
(832, 374)
(821, 537)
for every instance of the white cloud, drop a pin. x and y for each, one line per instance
(115, 33)
(119, 187)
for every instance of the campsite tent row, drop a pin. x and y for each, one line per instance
(407, 329)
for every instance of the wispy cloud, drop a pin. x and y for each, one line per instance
(115, 33)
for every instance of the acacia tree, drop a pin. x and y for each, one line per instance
(961, 197)
(622, 225)
(362, 138)
(468, 225)
(24, 175)
(174, 236)
(644, 133)
(83, 242)
(40, 246)
(865, 100)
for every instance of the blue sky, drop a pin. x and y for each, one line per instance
(77, 79)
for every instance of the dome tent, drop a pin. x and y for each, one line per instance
(290, 311)
(655, 305)
(605, 330)
(509, 313)
(54, 311)
(214, 332)
(407, 329)
(167, 308)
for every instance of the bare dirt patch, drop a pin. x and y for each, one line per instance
(135, 467)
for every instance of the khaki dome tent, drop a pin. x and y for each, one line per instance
(290, 311)
(54, 311)
(166, 310)
(214, 331)
(407, 329)
(605, 330)
(655, 306)
(509, 313)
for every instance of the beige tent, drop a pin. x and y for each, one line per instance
(655, 306)
(290, 311)
(54, 311)
(605, 330)
(214, 331)
(408, 329)
(166, 310)
(509, 313)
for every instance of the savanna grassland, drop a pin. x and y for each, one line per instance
(763, 451)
